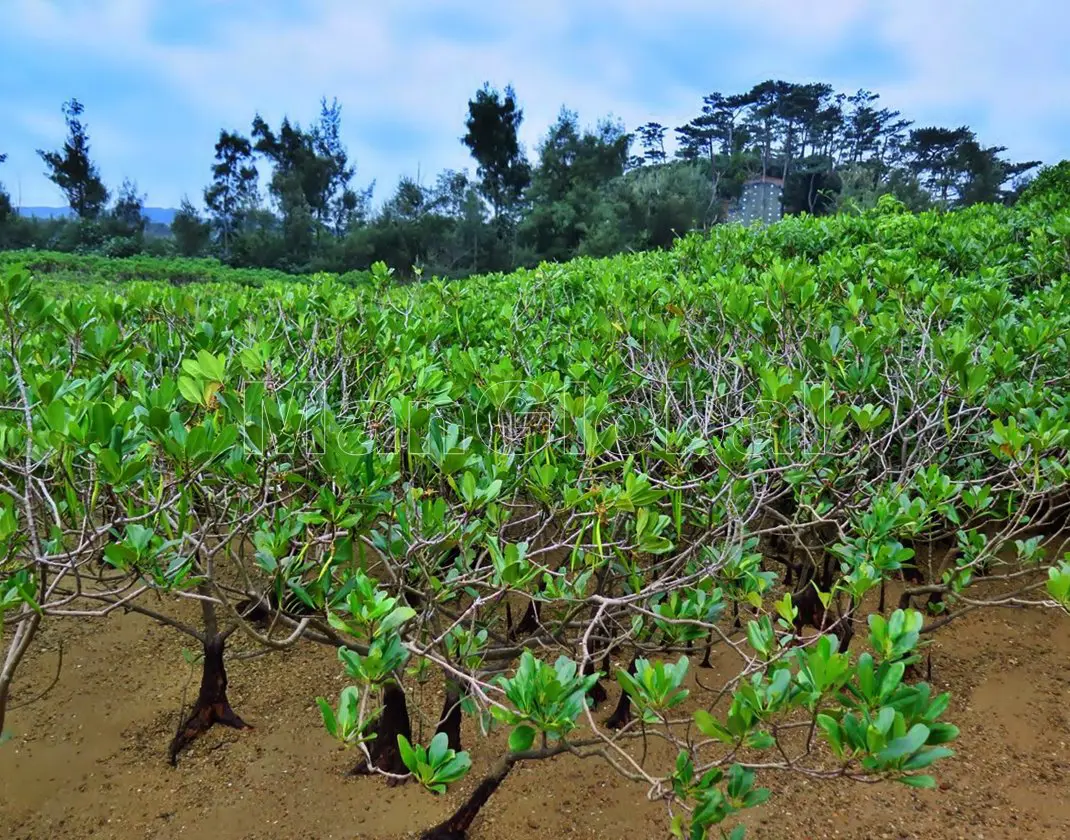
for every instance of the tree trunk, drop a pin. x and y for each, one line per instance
(528, 624)
(450, 721)
(384, 750)
(705, 663)
(24, 635)
(212, 705)
(598, 691)
(622, 715)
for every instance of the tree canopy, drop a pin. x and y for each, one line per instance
(588, 188)
(72, 170)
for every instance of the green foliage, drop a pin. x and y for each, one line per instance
(191, 233)
(16, 590)
(384, 658)
(544, 699)
(345, 723)
(368, 611)
(656, 687)
(86, 268)
(586, 194)
(714, 801)
(1050, 188)
(71, 168)
(620, 443)
(437, 766)
(233, 193)
(491, 137)
(1058, 584)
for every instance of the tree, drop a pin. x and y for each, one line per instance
(1019, 175)
(697, 139)
(812, 187)
(400, 237)
(121, 231)
(957, 168)
(935, 157)
(192, 233)
(233, 191)
(310, 180)
(491, 137)
(872, 138)
(985, 173)
(299, 183)
(461, 236)
(860, 191)
(568, 184)
(763, 119)
(5, 199)
(128, 213)
(649, 208)
(342, 206)
(652, 141)
(670, 450)
(71, 169)
(1049, 187)
(715, 141)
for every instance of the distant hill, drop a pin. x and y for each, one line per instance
(159, 215)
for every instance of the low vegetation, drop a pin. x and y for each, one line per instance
(504, 485)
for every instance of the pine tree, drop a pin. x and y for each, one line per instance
(72, 170)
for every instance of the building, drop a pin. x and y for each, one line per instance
(760, 201)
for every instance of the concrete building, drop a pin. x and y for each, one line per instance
(760, 201)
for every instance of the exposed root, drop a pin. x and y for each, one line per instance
(450, 721)
(212, 706)
(622, 715)
(385, 755)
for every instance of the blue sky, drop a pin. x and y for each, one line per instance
(159, 78)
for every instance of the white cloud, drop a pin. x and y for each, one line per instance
(1002, 67)
(997, 65)
(100, 25)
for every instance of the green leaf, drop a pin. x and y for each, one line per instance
(942, 733)
(395, 619)
(521, 738)
(190, 390)
(437, 751)
(913, 741)
(760, 741)
(831, 729)
(212, 366)
(921, 760)
(330, 722)
(709, 726)
(757, 638)
(455, 768)
(408, 755)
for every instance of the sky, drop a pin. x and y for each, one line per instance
(160, 78)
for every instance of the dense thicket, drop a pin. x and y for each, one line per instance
(587, 191)
(526, 487)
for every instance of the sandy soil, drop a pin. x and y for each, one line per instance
(89, 759)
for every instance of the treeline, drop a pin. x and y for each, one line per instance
(286, 196)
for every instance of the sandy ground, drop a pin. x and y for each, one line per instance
(89, 759)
